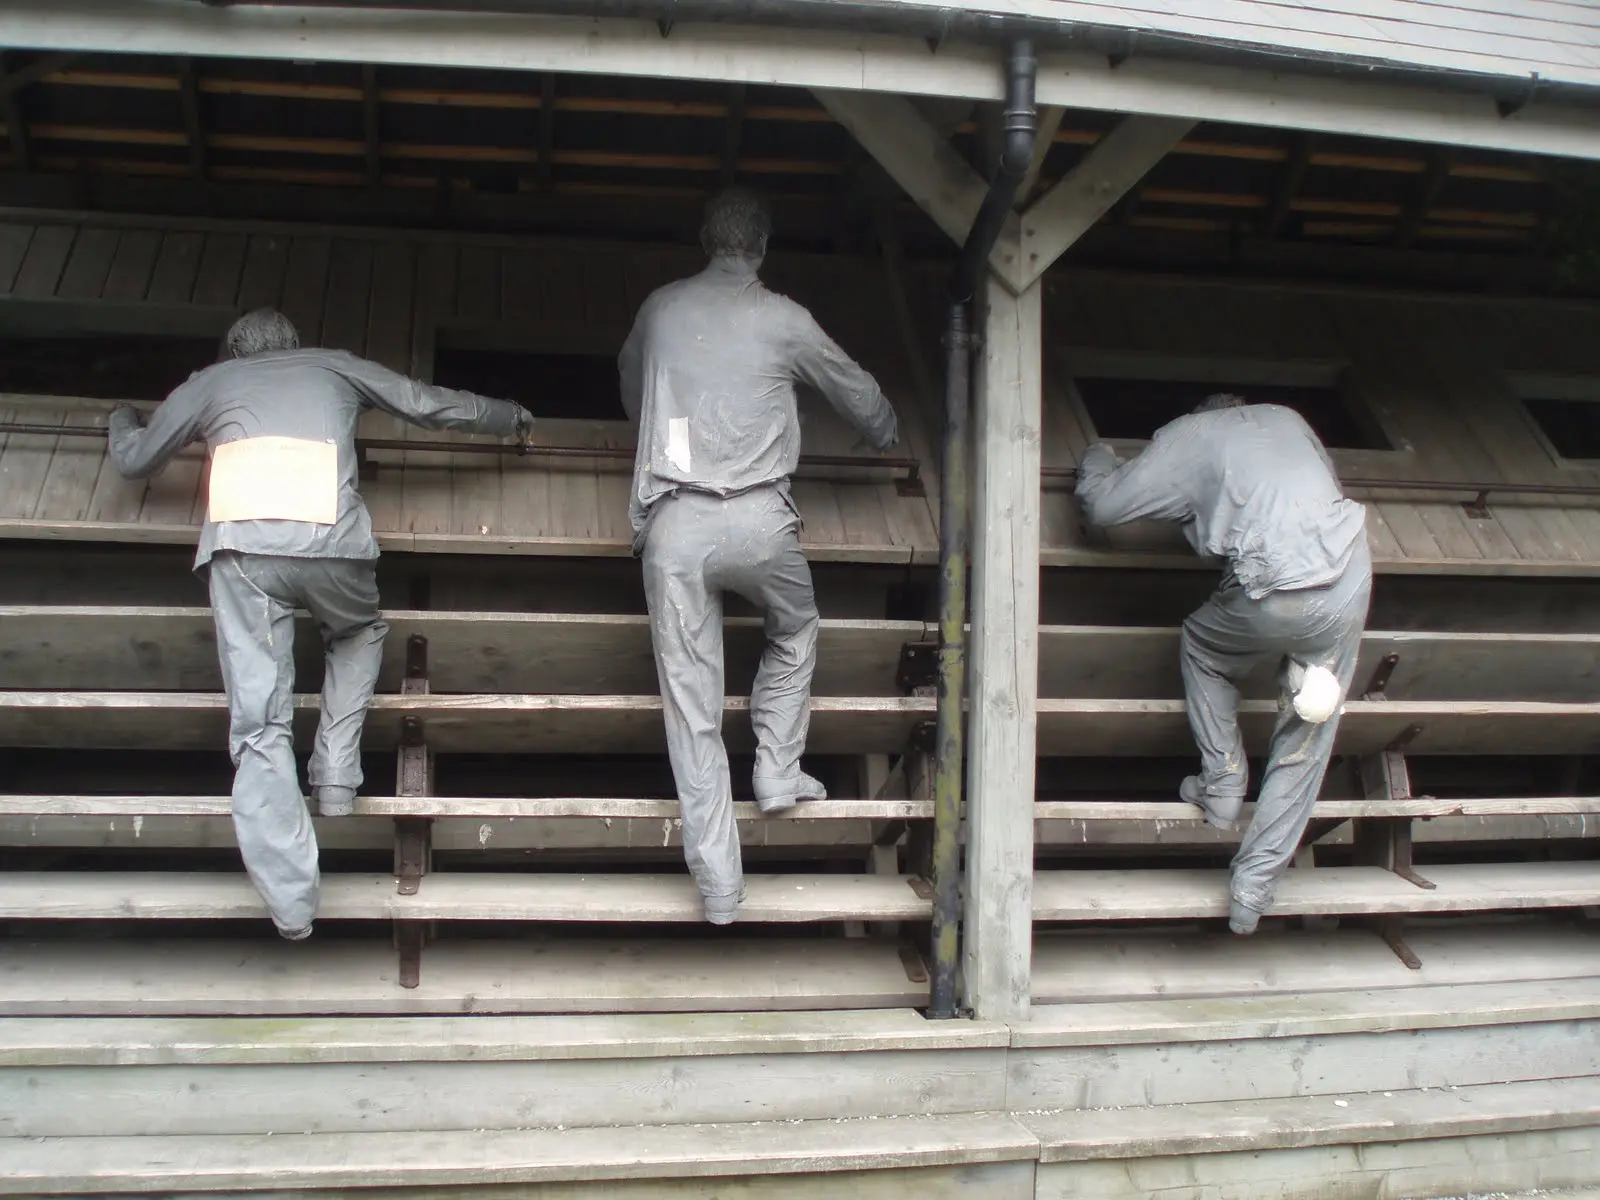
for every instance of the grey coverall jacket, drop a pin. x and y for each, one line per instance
(1255, 487)
(260, 571)
(709, 372)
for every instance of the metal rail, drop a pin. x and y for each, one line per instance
(909, 483)
(1055, 478)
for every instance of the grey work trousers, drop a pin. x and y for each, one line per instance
(1223, 640)
(698, 546)
(253, 598)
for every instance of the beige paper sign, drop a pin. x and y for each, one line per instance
(275, 479)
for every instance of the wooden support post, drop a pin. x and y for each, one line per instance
(413, 850)
(1004, 656)
(371, 125)
(194, 126)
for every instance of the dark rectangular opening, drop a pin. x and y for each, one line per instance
(580, 387)
(1571, 426)
(102, 366)
(1136, 408)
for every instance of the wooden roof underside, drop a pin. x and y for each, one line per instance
(586, 154)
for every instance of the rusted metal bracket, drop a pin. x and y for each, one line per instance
(409, 937)
(1478, 507)
(911, 959)
(1386, 841)
(1380, 678)
(411, 852)
(910, 484)
(924, 737)
(1390, 930)
(921, 887)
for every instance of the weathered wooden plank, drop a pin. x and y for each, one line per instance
(426, 484)
(84, 277)
(349, 296)
(621, 1090)
(176, 267)
(526, 1156)
(221, 267)
(527, 724)
(131, 268)
(1135, 966)
(1182, 894)
(28, 895)
(478, 282)
(14, 241)
(74, 471)
(305, 286)
(261, 278)
(1160, 727)
(210, 1041)
(497, 808)
(1165, 1021)
(715, 974)
(175, 648)
(43, 262)
(1092, 661)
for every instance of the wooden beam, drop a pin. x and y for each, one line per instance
(1264, 94)
(370, 124)
(547, 127)
(733, 135)
(922, 162)
(1294, 174)
(1049, 124)
(16, 121)
(24, 77)
(1420, 206)
(193, 122)
(1004, 654)
(1072, 207)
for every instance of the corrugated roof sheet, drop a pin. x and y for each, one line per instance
(1557, 40)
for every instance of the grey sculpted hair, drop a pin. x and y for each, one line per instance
(260, 331)
(736, 222)
(1220, 400)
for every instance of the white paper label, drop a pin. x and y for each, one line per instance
(678, 443)
(275, 479)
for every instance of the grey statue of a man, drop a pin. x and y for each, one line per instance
(709, 373)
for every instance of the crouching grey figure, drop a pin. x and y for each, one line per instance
(1252, 485)
(709, 372)
(286, 528)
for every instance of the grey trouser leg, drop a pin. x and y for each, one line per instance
(698, 547)
(253, 598)
(1222, 641)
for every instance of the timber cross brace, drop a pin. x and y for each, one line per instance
(923, 162)
(413, 848)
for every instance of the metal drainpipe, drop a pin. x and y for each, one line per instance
(1021, 118)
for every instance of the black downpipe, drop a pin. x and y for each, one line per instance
(1021, 120)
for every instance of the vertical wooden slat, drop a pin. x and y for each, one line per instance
(69, 484)
(14, 241)
(221, 264)
(574, 490)
(426, 478)
(176, 267)
(305, 284)
(261, 281)
(389, 341)
(477, 291)
(25, 460)
(89, 265)
(132, 265)
(344, 313)
(44, 261)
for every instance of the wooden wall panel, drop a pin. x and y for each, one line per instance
(1433, 368)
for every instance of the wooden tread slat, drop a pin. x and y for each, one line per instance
(168, 648)
(230, 1162)
(1092, 661)
(529, 724)
(1122, 895)
(623, 809)
(839, 725)
(720, 971)
(458, 896)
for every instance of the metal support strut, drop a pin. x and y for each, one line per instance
(1021, 122)
(413, 848)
